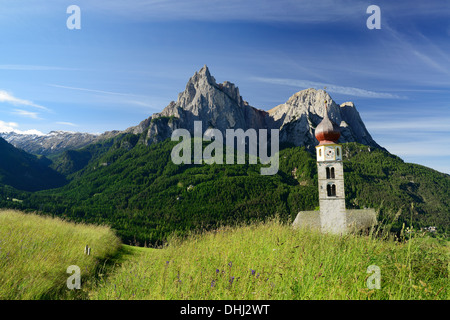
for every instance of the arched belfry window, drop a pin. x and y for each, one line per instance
(331, 190)
(338, 151)
(330, 172)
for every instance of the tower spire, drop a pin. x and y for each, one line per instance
(327, 131)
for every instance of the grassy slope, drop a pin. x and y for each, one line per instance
(36, 251)
(262, 261)
(273, 261)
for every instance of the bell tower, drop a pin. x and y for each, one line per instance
(330, 171)
(333, 217)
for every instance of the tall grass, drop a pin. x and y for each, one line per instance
(267, 260)
(35, 252)
(272, 261)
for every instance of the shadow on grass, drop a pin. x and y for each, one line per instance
(104, 268)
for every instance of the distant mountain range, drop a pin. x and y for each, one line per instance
(53, 142)
(219, 106)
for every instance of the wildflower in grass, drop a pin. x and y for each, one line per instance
(231, 280)
(217, 270)
(253, 272)
(230, 264)
(213, 283)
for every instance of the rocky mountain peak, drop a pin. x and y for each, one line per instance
(201, 77)
(220, 106)
(203, 84)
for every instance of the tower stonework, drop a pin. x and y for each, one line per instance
(331, 189)
(333, 217)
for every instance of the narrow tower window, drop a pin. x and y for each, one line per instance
(330, 172)
(331, 190)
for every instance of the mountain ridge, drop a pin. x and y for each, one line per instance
(221, 106)
(55, 141)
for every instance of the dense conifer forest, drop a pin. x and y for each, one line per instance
(145, 197)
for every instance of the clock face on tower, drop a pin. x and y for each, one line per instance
(329, 153)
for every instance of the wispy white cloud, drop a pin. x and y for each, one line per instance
(219, 10)
(91, 90)
(11, 99)
(408, 125)
(64, 123)
(309, 11)
(155, 104)
(27, 114)
(13, 127)
(132, 99)
(419, 51)
(432, 148)
(330, 88)
(26, 67)
(7, 126)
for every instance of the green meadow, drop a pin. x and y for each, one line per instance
(266, 260)
(35, 252)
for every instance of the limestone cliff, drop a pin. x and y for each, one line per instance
(220, 106)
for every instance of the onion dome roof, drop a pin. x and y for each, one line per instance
(327, 131)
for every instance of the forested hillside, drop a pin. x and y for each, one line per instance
(25, 171)
(144, 196)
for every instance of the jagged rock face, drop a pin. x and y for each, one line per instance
(352, 126)
(220, 106)
(300, 115)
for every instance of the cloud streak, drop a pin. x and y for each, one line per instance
(25, 67)
(9, 98)
(308, 11)
(92, 90)
(64, 123)
(27, 114)
(409, 126)
(330, 88)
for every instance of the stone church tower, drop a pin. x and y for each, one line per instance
(330, 171)
(333, 217)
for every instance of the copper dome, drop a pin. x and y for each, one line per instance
(327, 131)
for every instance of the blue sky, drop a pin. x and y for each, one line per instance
(131, 58)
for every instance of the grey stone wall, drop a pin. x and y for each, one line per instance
(308, 220)
(360, 219)
(355, 220)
